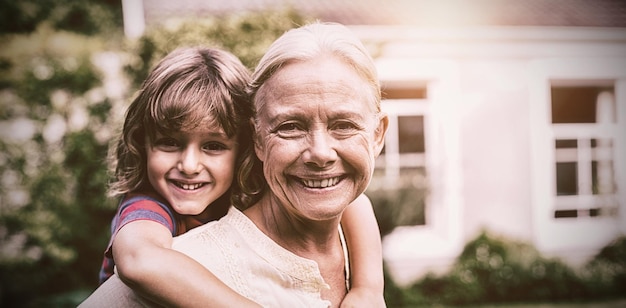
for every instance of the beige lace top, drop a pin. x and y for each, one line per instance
(245, 259)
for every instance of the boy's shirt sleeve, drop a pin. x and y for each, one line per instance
(145, 209)
(133, 209)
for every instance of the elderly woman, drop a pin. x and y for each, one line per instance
(318, 129)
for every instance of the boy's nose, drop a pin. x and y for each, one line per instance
(189, 162)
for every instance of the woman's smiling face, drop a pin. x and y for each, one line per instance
(318, 135)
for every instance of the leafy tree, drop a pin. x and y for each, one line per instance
(84, 16)
(246, 36)
(497, 270)
(54, 209)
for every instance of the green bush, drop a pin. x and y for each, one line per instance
(85, 17)
(400, 205)
(605, 275)
(493, 270)
(54, 212)
(246, 36)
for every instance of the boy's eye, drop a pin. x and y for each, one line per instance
(215, 146)
(166, 144)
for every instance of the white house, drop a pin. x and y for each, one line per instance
(515, 112)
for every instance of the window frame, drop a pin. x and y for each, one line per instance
(442, 232)
(392, 160)
(552, 234)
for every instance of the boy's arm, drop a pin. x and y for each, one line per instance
(364, 244)
(147, 264)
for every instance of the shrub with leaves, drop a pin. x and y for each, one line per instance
(494, 270)
(605, 275)
(54, 125)
(403, 204)
(247, 36)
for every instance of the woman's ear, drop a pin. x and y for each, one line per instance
(380, 132)
(258, 149)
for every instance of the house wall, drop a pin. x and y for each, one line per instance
(494, 136)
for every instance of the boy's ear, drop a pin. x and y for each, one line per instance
(258, 149)
(380, 132)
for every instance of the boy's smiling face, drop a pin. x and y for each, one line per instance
(191, 169)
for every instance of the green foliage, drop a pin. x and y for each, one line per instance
(85, 16)
(22, 16)
(54, 216)
(508, 271)
(493, 270)
(396, 296)
(401, 205)
(246, 36)
(605, 275)
(49, 74)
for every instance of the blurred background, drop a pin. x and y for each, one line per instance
(502, 180)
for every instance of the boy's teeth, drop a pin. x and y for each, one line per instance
(321, 183)
(189, 186)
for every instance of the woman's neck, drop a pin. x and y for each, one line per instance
(294, 233)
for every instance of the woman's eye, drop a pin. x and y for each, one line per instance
(345, 126)
(288, 127)
(289, 130)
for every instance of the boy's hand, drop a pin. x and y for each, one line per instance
(363, 297)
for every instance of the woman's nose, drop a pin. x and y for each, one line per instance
(189, 162)
(320, 151)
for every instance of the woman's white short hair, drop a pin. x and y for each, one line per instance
(313, 40)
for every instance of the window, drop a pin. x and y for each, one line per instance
(402, 163)
(582, 119)
(577, 116)
(422, 155)
(405, 147)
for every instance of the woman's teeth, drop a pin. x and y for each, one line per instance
(321, 183)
